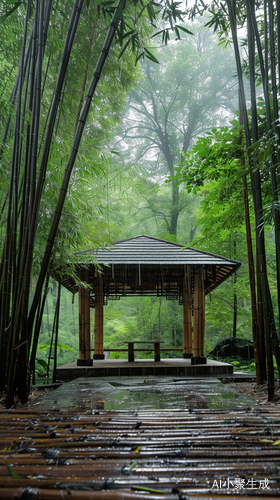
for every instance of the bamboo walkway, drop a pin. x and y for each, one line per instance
(171, 455)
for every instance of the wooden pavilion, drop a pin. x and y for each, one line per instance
(144, 265)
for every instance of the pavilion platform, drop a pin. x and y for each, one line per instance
(143, 367)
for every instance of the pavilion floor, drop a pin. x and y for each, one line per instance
(142, 367)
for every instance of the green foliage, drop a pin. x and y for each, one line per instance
(108, 200)
(41, 367)
(142, 318)
(82, 203)
(59, 346)
(214, 157)
(213, 169)
(68, 336)
(171, 105)
(240, 364)
(10, 471)
(134, 204)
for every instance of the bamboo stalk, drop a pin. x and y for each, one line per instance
(57, 311)
(255, 174)
(75, 148)
(221, 494)
(256, 185)
(11, 232)
(269, 122)
(37, 331)
(46, 494)
(21, 273)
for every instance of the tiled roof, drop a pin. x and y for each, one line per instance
(138, 265)
(148, 250)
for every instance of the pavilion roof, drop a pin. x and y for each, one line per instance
(149, 250)
(136, 266)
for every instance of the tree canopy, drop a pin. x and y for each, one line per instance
(173, 103)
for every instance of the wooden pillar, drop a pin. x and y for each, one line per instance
(157, 351)
(81, 325)
(87, 323)
(98, 323)
(187, 318)
(130, 352)
(198, 317)
(84, 322)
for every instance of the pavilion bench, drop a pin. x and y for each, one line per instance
(133, 350)
(156, 348)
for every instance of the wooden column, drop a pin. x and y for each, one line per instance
(84, 322)
(98, 323)
(130, 352)
(187, 318)
(87, 323)
(157, 351)
(81, 326)
(198, 317)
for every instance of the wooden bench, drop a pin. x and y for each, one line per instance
(131, 348)
(157, 355)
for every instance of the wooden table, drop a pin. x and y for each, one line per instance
(131, 348)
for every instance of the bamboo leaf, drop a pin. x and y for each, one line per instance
(150, 490)
(137, 450)
(184, 29)
(16, 5)
(59, 346)
(10, 471)
(43, 363)
(133, 465)
(131, 32)
(150, 56)
(140, 55)
(158, 33)
(125, 47)
(151, 12)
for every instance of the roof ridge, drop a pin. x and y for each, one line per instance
(150, 237)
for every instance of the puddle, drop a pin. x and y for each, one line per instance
(137, 394)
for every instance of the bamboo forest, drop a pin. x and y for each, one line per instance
(137, 117)
(139, 249)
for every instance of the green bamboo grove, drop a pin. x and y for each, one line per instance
(33, 122)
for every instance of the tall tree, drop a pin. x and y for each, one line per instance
(192, 88)
(133, 203)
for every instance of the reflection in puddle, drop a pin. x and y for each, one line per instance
(162, 395)
(196, 400)
(138, 394)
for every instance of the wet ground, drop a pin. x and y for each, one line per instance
(89, 395)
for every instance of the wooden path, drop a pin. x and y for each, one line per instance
(171, 455)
